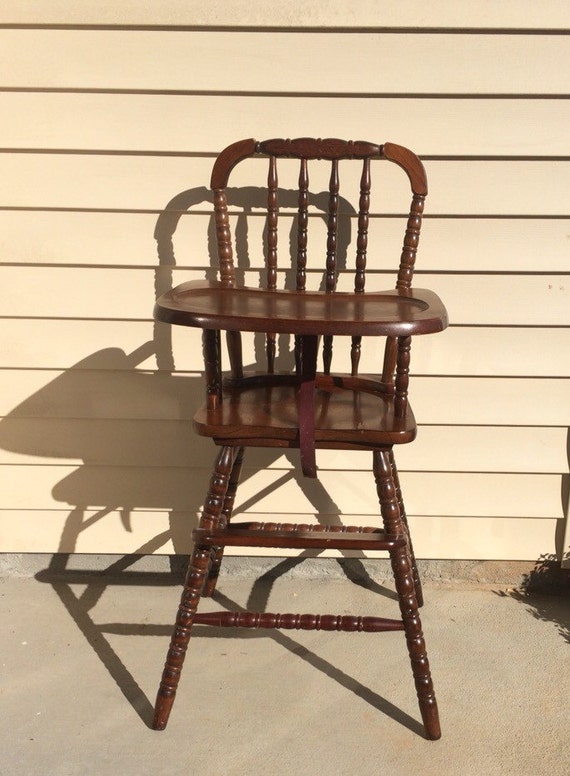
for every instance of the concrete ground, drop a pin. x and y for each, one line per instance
(82, 654)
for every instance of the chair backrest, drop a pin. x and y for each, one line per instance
(332, 150)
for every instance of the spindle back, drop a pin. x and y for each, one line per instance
(306, 150)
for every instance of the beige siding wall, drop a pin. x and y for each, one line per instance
(113, 113)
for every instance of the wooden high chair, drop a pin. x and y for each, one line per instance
(307, 408)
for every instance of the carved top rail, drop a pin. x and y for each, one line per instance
(328, 148)
(310, 148)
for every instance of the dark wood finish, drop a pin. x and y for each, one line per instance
(196, 577)
(411, 239)
(213, 372)
(329, 148)
(334, 186)
(361, 251)
(217, 550)
(331, 268)
(224, 237)
(404, 518)
(270, 413)
(410, 164)
(403, 576)
(227, 160)
(306, 405)
(325, 622)
(272, 222)
(237, 536)
(303, 225)
(305, 408)
(208, 304)
(235, 353)
(363, 222)
(402, 376)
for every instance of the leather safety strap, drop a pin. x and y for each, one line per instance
(306, 404)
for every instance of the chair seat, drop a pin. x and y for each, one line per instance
(210, 305)
(352, 412)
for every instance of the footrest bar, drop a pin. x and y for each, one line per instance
(325, 622)
(299, 537)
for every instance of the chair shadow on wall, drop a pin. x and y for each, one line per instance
(94, 496)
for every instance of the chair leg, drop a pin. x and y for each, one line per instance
(403, 576)
(196, 577)
(227, 509)
(415, 572)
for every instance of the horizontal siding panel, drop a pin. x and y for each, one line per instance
(127, 345)
(164, 123)
(485, 538)
(488, 188)
(456, 244)
(248, 61)
(288, 13)
(493, 352)
(461, 188)
(148, 396)
(524, 301)
(265, 492)
(533, 300)
(491, 401)
(493, 245)
(91, 238)
(436, 493)
(473, 449)
(47, 531)
(99, 442)
(156, 532)
(105, 129)
(113, 345)
(459, 351)
(100, 394)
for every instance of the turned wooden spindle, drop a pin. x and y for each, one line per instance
(318, 622)
(327, 353)
(235, 354)
(404, 519)
(403, 576)
(224, 238)
(332, 228)
(361, 251)
(390, 351)
(332, 247)
(303, 223)
(305, 527)
(195, 578)
(195, 581)
(272, 221)
(363, 223)
(402, 376)
(213, 369)
(355, 350)
(302, 232)
(411, 241)
(217, 552)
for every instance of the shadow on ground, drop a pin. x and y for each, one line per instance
(546, 593)
(80, 605)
